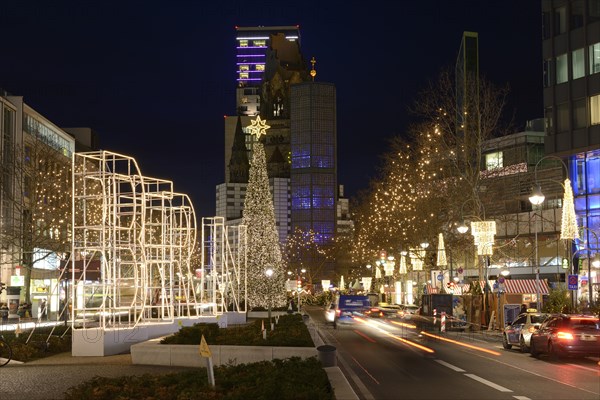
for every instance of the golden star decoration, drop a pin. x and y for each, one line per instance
(259, 127)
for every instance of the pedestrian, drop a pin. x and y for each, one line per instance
(43, 309)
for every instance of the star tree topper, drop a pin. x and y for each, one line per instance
(258, 127)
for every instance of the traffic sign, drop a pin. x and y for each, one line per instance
(572, 282)
(460, 270)
(204, 350)
(440, 277)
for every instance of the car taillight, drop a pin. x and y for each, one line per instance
(564, 335)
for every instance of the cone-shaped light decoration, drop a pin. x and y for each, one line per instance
(569, 228)
(403, 264)
(388, 266)
(416, 259)
(441, 253)
(377, 272)
(342, 284)
(366, 281)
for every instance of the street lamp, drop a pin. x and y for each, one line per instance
(569, 229)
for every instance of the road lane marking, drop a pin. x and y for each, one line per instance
(521, 397)
(366, 372)
(584, 367)
(452, 367)
(486, 382)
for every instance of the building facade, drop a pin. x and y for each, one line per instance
(571, 59)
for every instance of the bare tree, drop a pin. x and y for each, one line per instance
(36, 196)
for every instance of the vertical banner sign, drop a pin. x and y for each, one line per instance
(572, 282)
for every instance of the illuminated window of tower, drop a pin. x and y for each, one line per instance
(260, 67)
(493, 160)
(244, 75)
(244, 67)
(260, 42)
(243, 43)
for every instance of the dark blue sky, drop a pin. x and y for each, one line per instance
(154, 78)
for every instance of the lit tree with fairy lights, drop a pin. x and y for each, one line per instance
(263, 240)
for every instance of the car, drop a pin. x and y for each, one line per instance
(519, 331)
(567, 335)
(349, 306)
(408, 311)
(374, 312)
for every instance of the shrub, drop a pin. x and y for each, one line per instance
(293, 378)
(39, 345)
(290, 331)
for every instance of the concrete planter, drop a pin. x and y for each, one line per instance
(184, 355)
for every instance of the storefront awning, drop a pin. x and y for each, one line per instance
(525, 286)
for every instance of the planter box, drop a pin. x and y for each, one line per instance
(185, 355)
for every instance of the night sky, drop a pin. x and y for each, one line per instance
(155, 78)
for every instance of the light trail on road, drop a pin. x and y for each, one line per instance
(396, 337)
(461, 344)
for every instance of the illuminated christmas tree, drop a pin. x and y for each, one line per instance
(263, 242)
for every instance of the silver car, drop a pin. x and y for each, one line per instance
(518, 333)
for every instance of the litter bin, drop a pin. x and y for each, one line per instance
(327, 355)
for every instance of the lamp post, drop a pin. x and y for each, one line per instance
(569, 229)
(537, 198)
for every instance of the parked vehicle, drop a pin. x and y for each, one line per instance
(349, 306)
(567, 335)
(519, 331)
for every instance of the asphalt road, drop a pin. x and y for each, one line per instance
(383, 361)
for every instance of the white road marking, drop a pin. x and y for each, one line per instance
(452, 367)
(584, 367)
(490, 384)
(521, 397)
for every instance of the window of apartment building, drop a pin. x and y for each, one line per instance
(578, 61)
(562, 69)
(579, 113)
(493, 160)
(594, 58)
(562, 117)
(560, 20)
(546, 25)
(595, 110)
(548, 120)
(576, 14)
(593, 10)
(548, 72)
